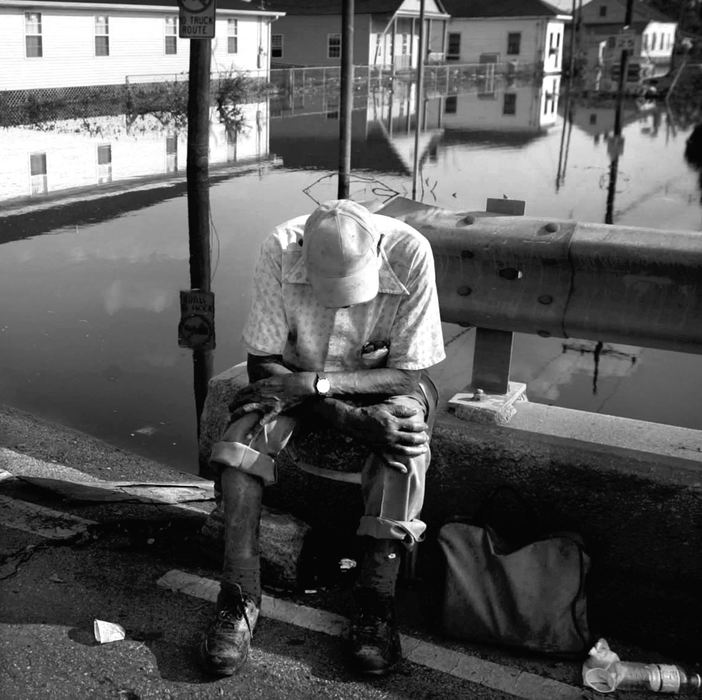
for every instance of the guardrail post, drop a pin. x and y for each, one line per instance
(490, 395)
(492, 355)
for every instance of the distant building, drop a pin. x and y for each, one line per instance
(57, 44)
(512, 32)
(600, 40)
(386, 33)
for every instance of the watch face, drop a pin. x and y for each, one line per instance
(322, 386)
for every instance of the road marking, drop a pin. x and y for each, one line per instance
(38, 520)
(461, 665)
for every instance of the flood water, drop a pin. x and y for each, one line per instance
(91, 264)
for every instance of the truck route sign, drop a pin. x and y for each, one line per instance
(196, 329)
(196, 19)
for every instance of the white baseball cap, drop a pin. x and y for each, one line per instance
(340, 248)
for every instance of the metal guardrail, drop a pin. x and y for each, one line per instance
(567, 279)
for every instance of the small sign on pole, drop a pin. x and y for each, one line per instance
(626, 39)
(197, 19)
(196, 329)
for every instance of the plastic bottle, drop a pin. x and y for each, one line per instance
(659, 678)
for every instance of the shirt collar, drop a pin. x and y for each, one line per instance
(389, 283)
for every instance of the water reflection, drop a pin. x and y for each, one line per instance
(95, 304)
(65, 154)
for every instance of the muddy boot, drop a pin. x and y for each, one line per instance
(374, 639)
(225, 646)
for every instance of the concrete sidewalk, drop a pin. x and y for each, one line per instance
(64, 563)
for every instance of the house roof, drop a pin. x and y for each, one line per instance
(335, 7)
(232, 5)
(500, 8)
(641, 12)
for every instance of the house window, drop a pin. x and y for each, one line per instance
(276, 46)
(509, 105)
(102, 36)
(593, 118)
(171, 154)
(171, 34)
(653, 41)
(232, 36)
(405, 44)
(333, 45)
(32, 32)
(645, 42)
(451, 104)
(603, 10)
(514, 40)
(37, 173)
(453, 52)
(104, 162)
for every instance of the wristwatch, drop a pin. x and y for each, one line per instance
(322, 385)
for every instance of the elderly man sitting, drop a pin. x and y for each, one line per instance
(344, 323)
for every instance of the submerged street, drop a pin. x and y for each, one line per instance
(94, 272)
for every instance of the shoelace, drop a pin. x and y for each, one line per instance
(230, 616)
(369, 625)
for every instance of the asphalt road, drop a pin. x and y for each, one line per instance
(48, 649)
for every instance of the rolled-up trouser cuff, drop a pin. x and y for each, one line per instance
(385, 529)
(243, 458)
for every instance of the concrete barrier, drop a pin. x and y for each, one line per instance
(632, 489)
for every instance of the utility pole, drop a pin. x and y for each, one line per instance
(419, 112)
(346, 106)
(616, 144)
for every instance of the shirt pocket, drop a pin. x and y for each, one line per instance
(374, 354)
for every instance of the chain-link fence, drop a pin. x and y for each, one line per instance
(148, 92)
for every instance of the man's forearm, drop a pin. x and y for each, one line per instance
(386, 381)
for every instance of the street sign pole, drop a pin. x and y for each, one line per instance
(196, 329)
(198, 164)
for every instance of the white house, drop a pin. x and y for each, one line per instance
(57, 44)
(386, 32)
(601, 27)
(515, 32)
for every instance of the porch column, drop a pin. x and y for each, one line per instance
(412, 52)
(392, 48)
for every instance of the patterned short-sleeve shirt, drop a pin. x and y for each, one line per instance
(287, 319)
